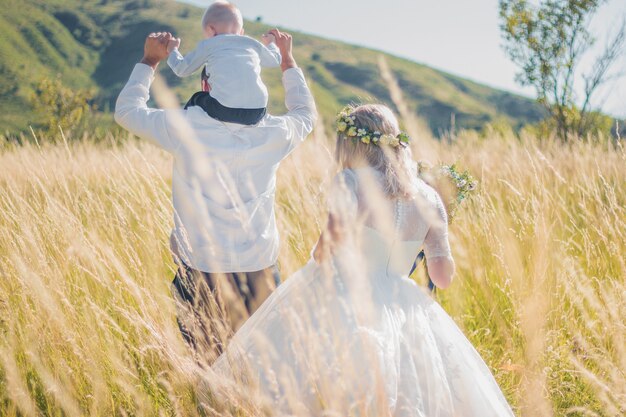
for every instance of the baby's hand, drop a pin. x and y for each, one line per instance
(268, 38)
(173, 43)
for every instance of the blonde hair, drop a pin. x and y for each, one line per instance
(395, 164)
(223, 12)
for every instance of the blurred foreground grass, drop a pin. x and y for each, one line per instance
(87, 322)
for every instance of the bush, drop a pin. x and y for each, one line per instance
(596, 125)
(60, 106)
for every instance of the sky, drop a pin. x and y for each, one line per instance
(461, 37)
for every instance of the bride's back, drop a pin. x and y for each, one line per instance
(390, 231)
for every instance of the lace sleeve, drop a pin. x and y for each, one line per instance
(342, 200)
(436, 243)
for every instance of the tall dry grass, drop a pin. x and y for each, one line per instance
(87, 320)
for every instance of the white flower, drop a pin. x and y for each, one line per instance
(385, 139)
(361, 132)
(342, 126)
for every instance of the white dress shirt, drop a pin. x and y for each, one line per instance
(224, 176)
(234, 66)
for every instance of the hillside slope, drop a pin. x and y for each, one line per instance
(95, 43)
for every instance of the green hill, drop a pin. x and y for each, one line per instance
(95, 43)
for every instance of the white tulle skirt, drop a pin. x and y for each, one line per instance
(324, 344)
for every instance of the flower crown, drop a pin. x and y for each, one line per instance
(346, 126)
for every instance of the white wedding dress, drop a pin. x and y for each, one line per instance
(357, 336)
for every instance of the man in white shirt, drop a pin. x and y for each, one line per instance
(225, 238)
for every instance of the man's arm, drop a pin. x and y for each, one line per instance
(301, 112)
(270, 54)
(131, 110)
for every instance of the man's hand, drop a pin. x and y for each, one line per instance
(155, 48)
(267, 38)
(173, 43)
(285, 45)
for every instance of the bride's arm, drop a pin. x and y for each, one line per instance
(437, 249)
(342, 214)
(330, 237)
(441, 271)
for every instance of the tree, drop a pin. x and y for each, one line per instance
(60, 106)
(547, 40)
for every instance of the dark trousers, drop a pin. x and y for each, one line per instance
(216, 110)
(212, 306)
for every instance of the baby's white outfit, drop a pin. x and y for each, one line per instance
(234, 66)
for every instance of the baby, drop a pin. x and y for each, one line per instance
(233, 64)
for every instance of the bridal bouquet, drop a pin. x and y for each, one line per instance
(454, 186)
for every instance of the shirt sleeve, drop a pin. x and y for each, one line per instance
(133, 114)
(301, 112)
(436, 244)
(270, 56)
(190, 63)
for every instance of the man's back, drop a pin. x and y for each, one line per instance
(224, 175)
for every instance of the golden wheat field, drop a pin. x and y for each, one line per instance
(88, 321)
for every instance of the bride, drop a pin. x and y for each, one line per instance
(350, 333)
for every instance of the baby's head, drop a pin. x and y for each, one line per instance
(220, 18)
